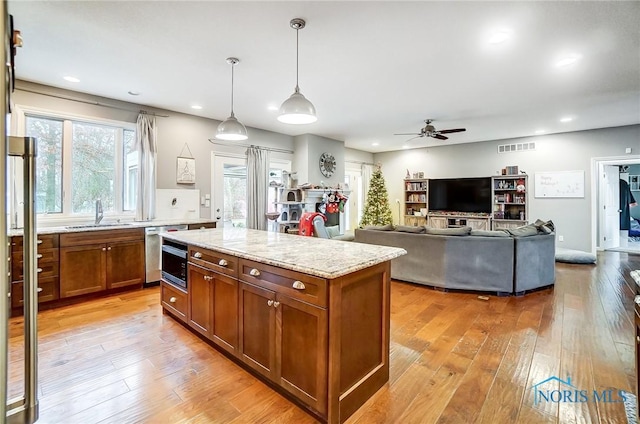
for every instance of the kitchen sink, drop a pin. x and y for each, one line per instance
(115, 224)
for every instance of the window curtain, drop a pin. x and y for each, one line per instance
(146, 145)
(367, 171)
(257, 186)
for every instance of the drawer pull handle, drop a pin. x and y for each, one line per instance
(202, 228)
(638, 339)
(104, 249)
(109, 248)
(270, 302)
(208, 278)
(172, 299)
(223, 262)
(39, 289)
(39, 269)
(197, 255)
(39, 256)
(637, 299)
(299, 285)
(39, 241)
(276, 304)
(255, 272)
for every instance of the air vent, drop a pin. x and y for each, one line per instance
(518, 147)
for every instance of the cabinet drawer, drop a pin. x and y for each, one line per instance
(45, 241)
(214, 261)
(101, 236)
(44, 256)
(49, 291)
(46, 270)
(201, 226)
(174, 300)
(293, 284)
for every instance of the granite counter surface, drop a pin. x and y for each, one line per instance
(110, 226)
(319, 257)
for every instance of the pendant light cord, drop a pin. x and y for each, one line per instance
(297, 59)
(232, 66)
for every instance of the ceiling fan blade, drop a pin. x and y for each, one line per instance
(455, 130)
(418, 134)
(412, 138)
(440, 137)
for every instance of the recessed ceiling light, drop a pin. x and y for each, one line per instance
(566, 119)
(540, 131)
(273, 107)
(71, 79)
(498, 37)
(196, 107)
(134, 93)
(405, 147)
(568, 60)
(375, 144)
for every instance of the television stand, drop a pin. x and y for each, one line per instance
(476, 221)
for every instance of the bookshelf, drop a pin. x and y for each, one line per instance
(509, 193)
(416, 201)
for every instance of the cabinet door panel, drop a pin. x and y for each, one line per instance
(125, 264)
(82, 270)
(301, 351)
(200, 300)
(225, 312)
(257, 329)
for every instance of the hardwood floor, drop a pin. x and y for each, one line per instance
(454, 358)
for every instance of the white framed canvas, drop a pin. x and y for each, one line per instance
(186, 170)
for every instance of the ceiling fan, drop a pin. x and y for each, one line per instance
(430, 131)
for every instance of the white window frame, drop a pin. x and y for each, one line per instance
(18, 123)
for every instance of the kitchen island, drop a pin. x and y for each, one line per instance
(309, 316)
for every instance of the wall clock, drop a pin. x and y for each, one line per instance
(327, 164)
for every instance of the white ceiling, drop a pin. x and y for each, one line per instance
(372, 69)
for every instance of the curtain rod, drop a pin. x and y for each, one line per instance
(90, 102)
(235, 144)
(358, 162)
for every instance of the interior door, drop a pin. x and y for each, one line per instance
(229, 185)
(609, 210)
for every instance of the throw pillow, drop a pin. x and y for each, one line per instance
(333, 231)
(545, 227)
(460, 231)
(388, 227)
(410, 229)
(487, 233)
(524, 231)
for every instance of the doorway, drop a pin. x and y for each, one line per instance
(607, 175)
(229, 186)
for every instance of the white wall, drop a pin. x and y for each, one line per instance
(307, 163)
(173, 132)
(556, 152)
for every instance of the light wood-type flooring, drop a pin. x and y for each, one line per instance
(454, 358)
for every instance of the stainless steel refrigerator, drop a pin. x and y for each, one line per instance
(24, 407)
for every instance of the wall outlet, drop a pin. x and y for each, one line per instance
(560, 238)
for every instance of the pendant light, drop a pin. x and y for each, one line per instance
(297, 109)
(231, 128)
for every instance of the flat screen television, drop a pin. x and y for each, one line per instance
(469, 195)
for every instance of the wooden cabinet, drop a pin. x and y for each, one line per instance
(509, 193)
(47, 268)
(416, 198)
(95, 261)
(213, 306)
(454, 221)
(258, 329)
(174, 300)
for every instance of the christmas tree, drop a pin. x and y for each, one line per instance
(377, 210)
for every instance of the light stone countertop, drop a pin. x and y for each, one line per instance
(319, 257)
(110, 226)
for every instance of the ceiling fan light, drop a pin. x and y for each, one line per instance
(232, 130)
(297, 110)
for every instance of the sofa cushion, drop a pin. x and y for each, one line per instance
(524, 231)
(333, 231)
(487, 233)
(388, 227)
(460, 231)
(545, 227)
(410, 229)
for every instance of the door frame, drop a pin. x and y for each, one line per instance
(214, 188)
(596, 164)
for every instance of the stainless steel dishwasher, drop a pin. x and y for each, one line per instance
(153, 251)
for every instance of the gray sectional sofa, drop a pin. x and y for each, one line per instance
(480, 261)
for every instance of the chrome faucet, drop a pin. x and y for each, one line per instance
(99, 212)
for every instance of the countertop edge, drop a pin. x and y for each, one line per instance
(14, 232)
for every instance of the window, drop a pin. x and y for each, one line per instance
(79, 162)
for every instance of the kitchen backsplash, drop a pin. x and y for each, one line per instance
(177, 203)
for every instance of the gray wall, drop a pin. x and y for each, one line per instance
(173, 132)
(309, 148)
(555, 152)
